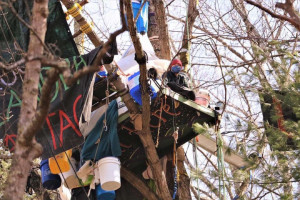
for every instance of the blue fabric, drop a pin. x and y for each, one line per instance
(142, 22)
(136, 93)
(109, 143)
(176, 69)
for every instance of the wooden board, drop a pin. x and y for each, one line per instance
(209, 144)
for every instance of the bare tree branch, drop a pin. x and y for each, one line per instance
(294, 20)
(26, 147)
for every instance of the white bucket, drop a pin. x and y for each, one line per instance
(109, 171)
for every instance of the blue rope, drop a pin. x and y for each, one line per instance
(175, 182)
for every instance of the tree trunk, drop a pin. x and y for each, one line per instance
(158, 27)
(184, 192)
(192, 14)
(158, 44)
(145, 134)
(79, 39)
(26, 147)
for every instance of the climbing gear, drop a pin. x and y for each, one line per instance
(104, 127)
(86, 28)
(159, 123)
(220, 158)
(75, 10)
(142, 60)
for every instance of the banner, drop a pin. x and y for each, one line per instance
(14, 39)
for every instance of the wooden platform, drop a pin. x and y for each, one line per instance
(176, 112)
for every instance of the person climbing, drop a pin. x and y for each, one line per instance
(178, 80)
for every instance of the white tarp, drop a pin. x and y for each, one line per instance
(129, 66)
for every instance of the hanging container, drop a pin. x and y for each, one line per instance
(74, 180)
(202, 97)
(49, 181)
(69, 178)
(109, 172)
(134, 88)
(60, 163)
(142, 22)
(104, 194)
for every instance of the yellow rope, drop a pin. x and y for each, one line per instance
(75, 10)
(86, 28)
(82, 44)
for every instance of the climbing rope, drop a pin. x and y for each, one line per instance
(104, 127)
(159, 122)
(176, 175)
(220, 158)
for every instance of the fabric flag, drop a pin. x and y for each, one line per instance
(14, 39)
(61, 129)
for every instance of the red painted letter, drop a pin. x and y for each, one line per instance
(62, 128)
(51, 129)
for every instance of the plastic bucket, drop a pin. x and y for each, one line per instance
(202, 98)
(72, 181)
(60, 163)
(104, 194)
(69, 178)
(134, 88)
(142, 22)
(109, 172)
(49, 181)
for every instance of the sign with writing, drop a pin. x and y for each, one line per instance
(61, 129)
(168, 112)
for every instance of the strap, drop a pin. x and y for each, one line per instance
(143, 60)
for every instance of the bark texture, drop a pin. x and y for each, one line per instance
(192, 14)
(158, 29)
(184, 180)
(26, 147)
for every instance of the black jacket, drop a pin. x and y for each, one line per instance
(181, 80)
